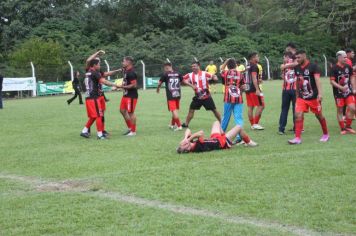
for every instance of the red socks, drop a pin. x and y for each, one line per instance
(177, 121)
(348, 122)
(133, 128)
(324, 126)
(99, 124)
(257, 119)
(90, 122)
(342, 125)
(172, 122)
(246, 139)
(298, 128)
(128, 123)
(251, 121)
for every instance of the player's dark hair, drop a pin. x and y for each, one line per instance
(196, 63)
(252, 55)
(348, 50)
(291, 45)
(130, 59)
(301, 51)
(288, 54)
(182, 150)
(238, 62)
(231, 64)
(93, 62)
(167, 64)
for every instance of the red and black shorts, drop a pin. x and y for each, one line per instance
(341, 102)
(207, 103)
(223, 140)
(94, 108)
(128, 104)
(254, 101)
(173, 104)
(303, 105)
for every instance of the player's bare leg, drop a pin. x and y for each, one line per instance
(189, 118)
(237, 130)
(216, 128)
(349, 117)
(217, 115)
(324, 127)
(299, 120)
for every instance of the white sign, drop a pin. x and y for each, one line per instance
(20, 84)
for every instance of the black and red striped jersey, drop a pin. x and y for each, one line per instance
(130, 77)
(232, 80)
(252, 71)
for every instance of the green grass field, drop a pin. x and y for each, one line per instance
(140, 186)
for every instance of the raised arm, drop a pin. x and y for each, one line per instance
(289, 65)
(95, 55)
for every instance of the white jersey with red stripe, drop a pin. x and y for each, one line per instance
(200, 80)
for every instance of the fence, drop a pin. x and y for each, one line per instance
(56, 79)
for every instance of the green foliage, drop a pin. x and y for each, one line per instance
(152, 30)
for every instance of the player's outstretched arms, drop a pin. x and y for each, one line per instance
(189, 84)
(113, 72)
(289, 65)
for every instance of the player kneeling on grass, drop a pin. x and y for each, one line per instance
(92, 101)
(309, 96)
(172, 80)
(218, 140)
(343, 79)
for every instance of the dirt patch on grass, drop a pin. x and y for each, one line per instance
(68, 186)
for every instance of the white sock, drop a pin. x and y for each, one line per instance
(100, 133)
(85, 130)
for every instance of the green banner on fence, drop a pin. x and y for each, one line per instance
(152, 82)
(50, 88)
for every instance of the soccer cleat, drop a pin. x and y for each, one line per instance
(295, 141)
(172, 127)
(106, 134)
(184, 125)
(178, 128)
(131, 134)
(324, 138)
(343, 132)
(257, 127)
(85, 135)
(127, 132)
(350, 130)
(102, 137)
(251, 144)
(281, 133)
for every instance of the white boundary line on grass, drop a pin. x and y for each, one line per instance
(63, 186)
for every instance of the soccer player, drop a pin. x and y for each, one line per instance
(76, 87)
(309, 96)
(92, 101)
(212, 69)
(172, 80)
(102, 97)
(199, 81)
(342, 77)
(218, 140)
(129, 99)
(288, 91)
(233, 102)
(254, 95)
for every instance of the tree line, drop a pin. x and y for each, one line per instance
(50, 32)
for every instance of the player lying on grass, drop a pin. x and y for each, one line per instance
(218, 139)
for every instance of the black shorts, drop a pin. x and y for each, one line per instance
(208, 104)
